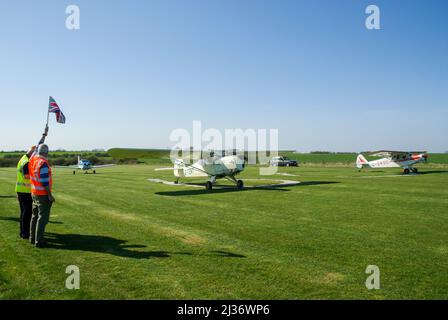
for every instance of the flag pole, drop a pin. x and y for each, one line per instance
(46, 126)
(48, 111)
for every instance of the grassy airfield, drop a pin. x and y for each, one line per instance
(135, 239)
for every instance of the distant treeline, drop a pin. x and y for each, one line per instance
(148, 156)
(61, 159)
(329, 152)
(162, 157)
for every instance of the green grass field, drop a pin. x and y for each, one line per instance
(135, 239)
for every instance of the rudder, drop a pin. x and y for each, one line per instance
(361, 162)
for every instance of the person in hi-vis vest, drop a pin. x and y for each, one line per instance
(23, 189)
(41, 186)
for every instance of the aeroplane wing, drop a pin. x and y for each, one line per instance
(66, 167)
(394, 153)
(181, 163)
(103, 166)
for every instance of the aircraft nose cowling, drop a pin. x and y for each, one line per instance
(240, 166)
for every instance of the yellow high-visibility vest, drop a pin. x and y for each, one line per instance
(23, 184)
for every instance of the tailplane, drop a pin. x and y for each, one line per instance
(361, 162)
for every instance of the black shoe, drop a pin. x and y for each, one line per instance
(41, 244)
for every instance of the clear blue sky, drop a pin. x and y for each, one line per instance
(139, 69)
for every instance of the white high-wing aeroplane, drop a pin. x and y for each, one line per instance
(214, 167)
(393, 159)
(84, 165)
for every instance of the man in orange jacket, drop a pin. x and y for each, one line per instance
(23, 189)
(41, 187)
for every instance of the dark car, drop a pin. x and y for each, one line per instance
(283, 162)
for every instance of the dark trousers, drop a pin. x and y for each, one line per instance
(41, 216)
(26, 210)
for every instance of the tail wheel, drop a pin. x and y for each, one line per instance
(406, 171)
(240, 184)
(209, 185)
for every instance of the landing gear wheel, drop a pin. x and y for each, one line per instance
(209, 185)
(406, 171)
(415, 170)
(240, 184)
(74, 172)
(94, 172)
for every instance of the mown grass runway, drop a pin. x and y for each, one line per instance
(134, 239)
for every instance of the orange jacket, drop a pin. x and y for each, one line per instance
(39, 176)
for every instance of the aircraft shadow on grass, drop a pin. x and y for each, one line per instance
(373, 172)
(226, 189)
(8, 197)
(116, 247)
(432, 172)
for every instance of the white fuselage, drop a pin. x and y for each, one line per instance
(215, 167)
(390, 162)
(84, 165)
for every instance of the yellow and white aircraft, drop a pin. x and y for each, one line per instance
(393, 159)
(212, 166)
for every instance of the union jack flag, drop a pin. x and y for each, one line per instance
(54, 108)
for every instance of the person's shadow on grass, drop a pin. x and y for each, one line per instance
(8, 197)
(14, 219)
(100, 244)
(117, 247)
